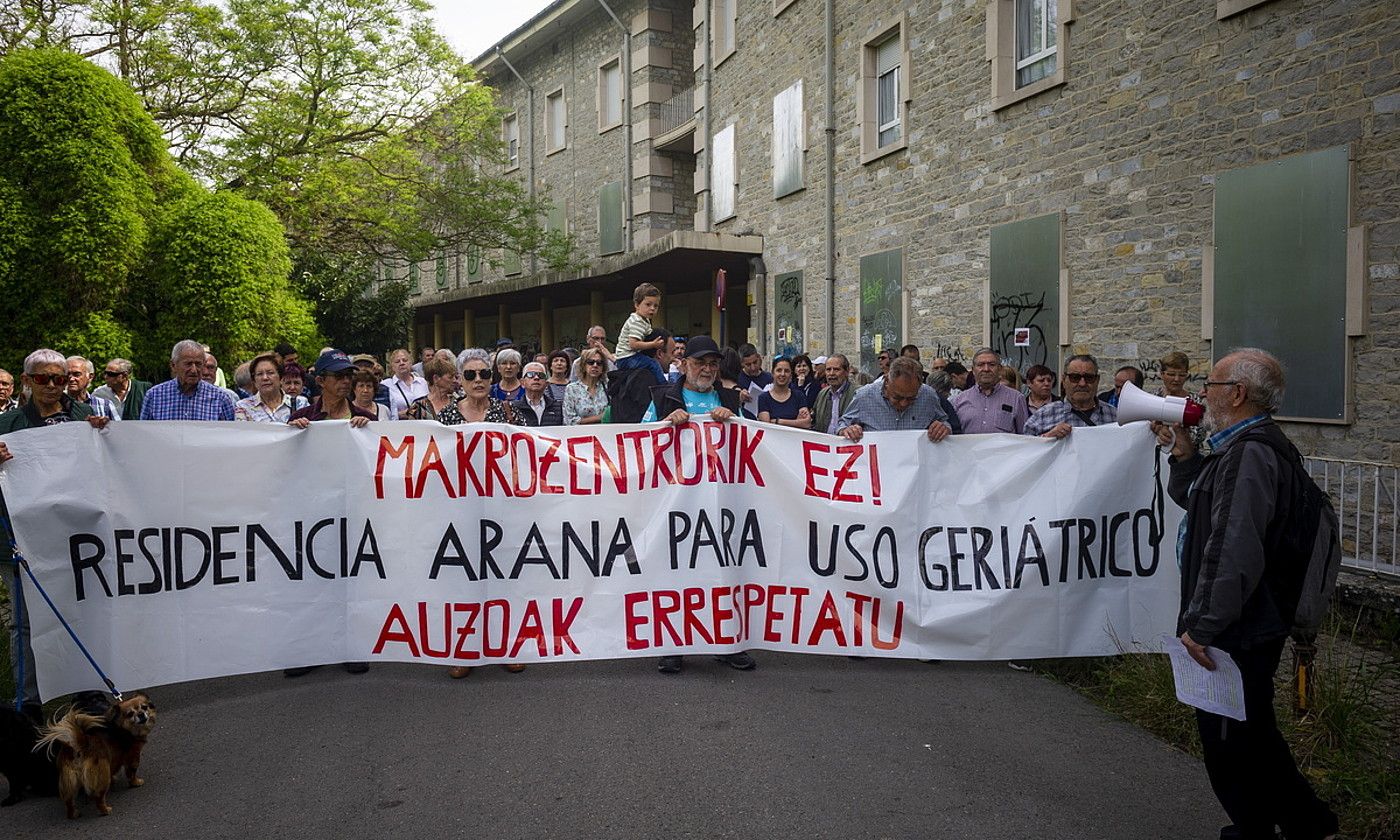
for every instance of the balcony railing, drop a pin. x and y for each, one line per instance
(677, 111)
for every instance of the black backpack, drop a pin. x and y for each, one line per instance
(1308, 544)
(629, 394)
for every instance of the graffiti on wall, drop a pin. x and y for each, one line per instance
(1023, 310)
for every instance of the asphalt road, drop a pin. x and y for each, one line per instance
(803, 747)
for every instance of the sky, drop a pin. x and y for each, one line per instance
(472, 26)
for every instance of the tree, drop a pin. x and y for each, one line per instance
(107, 247)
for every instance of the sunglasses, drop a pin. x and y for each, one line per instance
(113, 374)
(470, 375)
(534, 374)
(49, 378)
(594, 363)
(1081, 377)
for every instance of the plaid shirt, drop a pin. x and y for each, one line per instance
(167, 402)
(1060, 411)
(102, 408)
(870, 410)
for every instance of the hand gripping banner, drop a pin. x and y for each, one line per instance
(181, 551)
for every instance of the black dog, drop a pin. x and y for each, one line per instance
(23, 768)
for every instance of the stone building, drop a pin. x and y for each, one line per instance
(1046, 176)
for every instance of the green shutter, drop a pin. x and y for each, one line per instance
(1025, 291)
(413, 279)
(440, 271)
(1280, 273)
(787, 313)
(610, 218)
(511, 259)
(881, 305)
(474, 264)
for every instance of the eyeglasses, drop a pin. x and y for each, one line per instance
(1205, 385)
(1081, 377)
(471, 375)
(49, 378)
(534, 374)
(594, 363)
(113, 374)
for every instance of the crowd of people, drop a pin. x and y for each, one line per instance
(651, 375)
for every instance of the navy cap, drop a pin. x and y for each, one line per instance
(504, 342)
(701, 345)
(333, 361)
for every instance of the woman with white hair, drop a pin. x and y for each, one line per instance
(506, 385)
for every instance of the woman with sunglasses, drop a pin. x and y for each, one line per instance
(586, 398)
(478, 406)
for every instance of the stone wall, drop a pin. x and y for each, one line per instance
(1159, 99)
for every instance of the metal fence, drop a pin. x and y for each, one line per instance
(1365, 495)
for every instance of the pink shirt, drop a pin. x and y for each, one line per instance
(1003, 410)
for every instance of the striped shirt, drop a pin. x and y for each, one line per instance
(634, 327)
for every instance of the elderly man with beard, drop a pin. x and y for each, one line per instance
(1080, 407)
(46, 374)
(1240, 589)
(676, 403)
(187, 396)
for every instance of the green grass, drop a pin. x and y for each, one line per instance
(1348, 744)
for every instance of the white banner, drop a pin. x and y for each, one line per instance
(180, 551)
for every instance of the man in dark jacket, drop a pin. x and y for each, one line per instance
(46, 374)
(676, 403)
(1238, 596)
(536, 407)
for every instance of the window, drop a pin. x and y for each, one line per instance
(413, 287)
(555, 121)
(611, 235)
(1028, 47)
(884, 93)
(723, 174)
(1035, 40)
(887, 92)
(510, 134)
(724, 21)
(789, 141)
(610, 95)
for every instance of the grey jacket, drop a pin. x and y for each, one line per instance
(1237, 499)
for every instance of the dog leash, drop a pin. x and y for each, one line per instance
(19, 617)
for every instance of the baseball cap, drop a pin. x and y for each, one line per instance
(363, 358)
(701, 345)
(504, 342)
(333, 361)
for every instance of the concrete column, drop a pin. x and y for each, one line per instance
(715, 318)
(546, 325)
(437, 332)
(468, 328)
(413, 339)
(503, 321)
(595, 310)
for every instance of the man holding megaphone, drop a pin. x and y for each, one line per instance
(1081, 405)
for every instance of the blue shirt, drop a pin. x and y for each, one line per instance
(871, 411)
(695, 403)
(167, 402)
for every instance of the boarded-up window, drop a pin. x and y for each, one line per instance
(413, 287)
(610, 218)
(473, 264)
(440, 271)
(511, 261)
(556, 220)
(1281, 273)
(1024, 292)
(787, 313)
(725, 21)
(723, 173)
(789, 141)
(881, 306)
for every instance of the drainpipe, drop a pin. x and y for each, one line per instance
(709, 213)
(530, 109)
(626, 70)
(831, 176)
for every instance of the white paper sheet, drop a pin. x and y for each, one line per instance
(1219, 692)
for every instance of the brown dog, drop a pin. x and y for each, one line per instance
(91, 749)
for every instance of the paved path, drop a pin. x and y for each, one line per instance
(803, 747)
